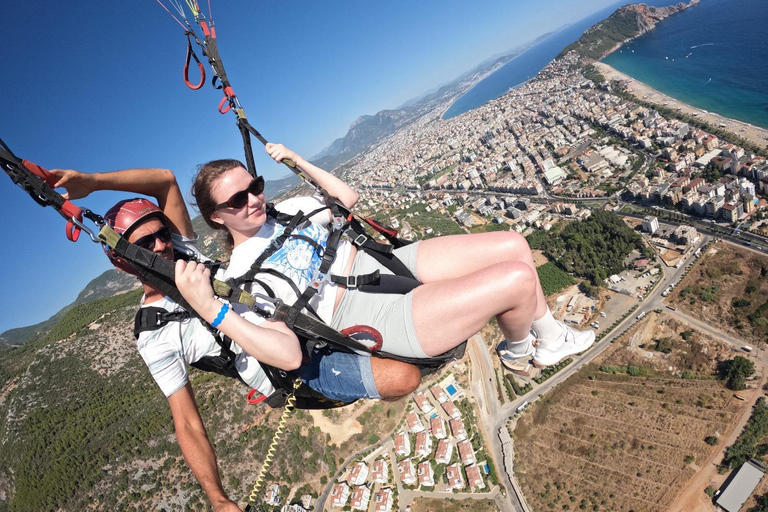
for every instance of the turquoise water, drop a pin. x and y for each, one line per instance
(713, 56)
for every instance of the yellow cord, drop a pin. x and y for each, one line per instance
(290, 405)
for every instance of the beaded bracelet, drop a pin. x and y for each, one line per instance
(220, 316)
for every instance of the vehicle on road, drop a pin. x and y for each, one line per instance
(746, 348)
(641, 315)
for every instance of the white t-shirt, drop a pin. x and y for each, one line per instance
(167, 351)
(296, 259)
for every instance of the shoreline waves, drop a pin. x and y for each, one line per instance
(749, 132)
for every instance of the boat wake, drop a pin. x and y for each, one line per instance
(705, 44)
(705, 83)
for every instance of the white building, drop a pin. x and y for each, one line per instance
(650, 224)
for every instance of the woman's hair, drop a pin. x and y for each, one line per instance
(207, 175)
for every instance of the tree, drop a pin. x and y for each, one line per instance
(736, 370)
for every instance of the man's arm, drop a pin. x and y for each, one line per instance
(158, 183)
(197, 449)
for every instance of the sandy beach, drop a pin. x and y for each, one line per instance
(751, 133)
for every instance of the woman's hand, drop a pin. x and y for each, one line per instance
(278, 152)
(78, 184)
(194, 282)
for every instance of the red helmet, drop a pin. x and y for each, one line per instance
(126, 215)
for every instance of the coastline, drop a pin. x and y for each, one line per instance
(751, 133)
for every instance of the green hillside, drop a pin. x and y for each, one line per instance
(83, 425)
(598, 40)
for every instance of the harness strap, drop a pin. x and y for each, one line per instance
(191, 55)
(352, 282)
(39, 183)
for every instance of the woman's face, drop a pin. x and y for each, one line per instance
(242, 222)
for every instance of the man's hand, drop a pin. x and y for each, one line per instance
(78, 184)
(226, 506)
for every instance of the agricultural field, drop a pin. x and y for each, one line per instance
(453, 505)
(628, 431)
(553, 279)
(728, 284)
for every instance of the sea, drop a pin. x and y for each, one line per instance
(713, 56)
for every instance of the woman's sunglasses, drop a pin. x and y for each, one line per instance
(148, 241)
(240, 199)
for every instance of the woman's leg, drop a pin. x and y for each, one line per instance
(456, 256)
(448, 311)
(461, 257)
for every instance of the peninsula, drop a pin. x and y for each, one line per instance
(625, 24)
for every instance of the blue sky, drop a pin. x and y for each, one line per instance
(97, 86)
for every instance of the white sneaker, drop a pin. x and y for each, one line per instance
(511, 353)
(569, 343)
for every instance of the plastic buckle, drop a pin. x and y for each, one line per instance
(159, 319)
(351, 282)
(360, 240)
(338, 222)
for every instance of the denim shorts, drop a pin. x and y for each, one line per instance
(340, 376)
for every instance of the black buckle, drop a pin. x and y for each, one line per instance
(357, 241)
(351, 282)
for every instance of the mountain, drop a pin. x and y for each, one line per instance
(368, 130)
(624, 24)
(83, 426)
(111, 282)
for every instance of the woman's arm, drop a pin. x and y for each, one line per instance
(333, 185)
(272, 343)
(158, 183)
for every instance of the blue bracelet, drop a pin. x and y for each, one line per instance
(220, 317)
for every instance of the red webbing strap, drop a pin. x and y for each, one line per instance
(256, 400)
(67, 209)
(381, 228)
(228, 95)
(365, 329)
(190, 55)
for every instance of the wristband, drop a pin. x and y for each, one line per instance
(220, 316)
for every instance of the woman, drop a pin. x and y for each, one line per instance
(466, 279)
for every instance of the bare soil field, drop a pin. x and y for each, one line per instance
(538, 258)
(670, 257)
(627, 432)
(452, 505)
(728, 284)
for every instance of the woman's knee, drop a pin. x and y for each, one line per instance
(514, 244)
(518, 275)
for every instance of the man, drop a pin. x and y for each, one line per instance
(167, 351)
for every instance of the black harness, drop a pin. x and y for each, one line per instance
(314, 334)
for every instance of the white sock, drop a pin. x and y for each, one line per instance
(520, 348)
(547, 328)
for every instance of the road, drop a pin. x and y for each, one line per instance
(503, 413)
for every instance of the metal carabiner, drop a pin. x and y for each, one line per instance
(83, 227)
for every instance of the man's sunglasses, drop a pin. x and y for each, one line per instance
(240, 199)
(148, 241)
